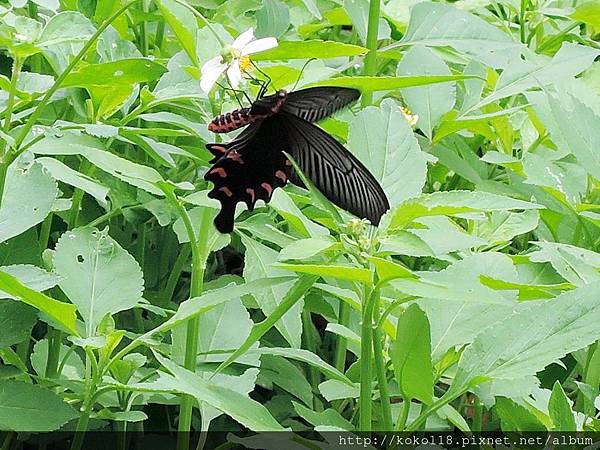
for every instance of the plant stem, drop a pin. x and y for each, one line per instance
(199, 254)
(477, 415)
(55, 336)
(401, 424)
(371, 58)
(522, 25)
(382, 383)
(16, 70)
(5, 155)
(366, 347)
(342, 343)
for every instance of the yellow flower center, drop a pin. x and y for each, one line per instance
(245, 63)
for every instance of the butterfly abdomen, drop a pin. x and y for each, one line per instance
(224, 123)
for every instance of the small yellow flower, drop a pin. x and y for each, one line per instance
(411, 118)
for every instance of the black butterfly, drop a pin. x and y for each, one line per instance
(251, 166)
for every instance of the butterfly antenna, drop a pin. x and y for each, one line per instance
(302, 72)
(265, 86)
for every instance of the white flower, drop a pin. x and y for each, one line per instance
(234, 60)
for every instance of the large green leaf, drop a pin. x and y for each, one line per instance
(29, 196)
(29, 407)
(16, 322)
(73, 143)
(522, 75)
(60, 313)
(451, 203)
(99, 276)
(441, 25)
(259, 263)
(183, 23)
(64, 173)
(411, 355)
(527, 341)
(384, 141)
(123, 72)
(369, 84)
(309, 49)
(240, 407)
(572, 125)
(429, 102)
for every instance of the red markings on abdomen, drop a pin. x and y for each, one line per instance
(230, 121)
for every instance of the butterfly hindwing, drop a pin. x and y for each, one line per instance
(251, 168)
(316, 103)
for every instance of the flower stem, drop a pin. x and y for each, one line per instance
(371, 58)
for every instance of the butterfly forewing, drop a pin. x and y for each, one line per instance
(316, 103)
(336, 172)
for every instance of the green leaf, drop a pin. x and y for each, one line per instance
(273, 19)
(93, 150)
(287, 376)
(66, 27)
(384, 141)
(588, 12)
(296, 292)
(259, 263)
(16, 322)
(560, 410)
(305, 356)
(330, 270)
(451, 203)
(522, 75)
(515, 417)
(29, 407)
(306, 248)
(458, 305)
(527, 341)
(99, 276)
(123, 72)
(370, 84)
(31, 276)
(441, 25)
(29, 196)
(411, 355)
(575, 264)
(240, 407)
(430, 102)
(183, 23)
(62, 313)
(390, 270)
(571, 124)
(328, 417)
(64, 173)
(309, 49)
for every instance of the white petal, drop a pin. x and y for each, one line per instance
(210, 73)
(259, 45)
(234, 74)
(212, 64)
(243, 39)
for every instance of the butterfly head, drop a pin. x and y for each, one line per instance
(280, 99)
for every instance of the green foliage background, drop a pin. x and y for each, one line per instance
(473, 306)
